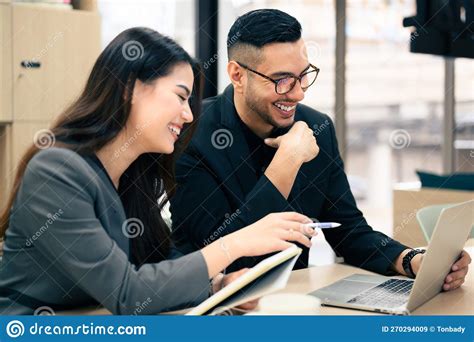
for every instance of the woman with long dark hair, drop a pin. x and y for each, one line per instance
(83, 223)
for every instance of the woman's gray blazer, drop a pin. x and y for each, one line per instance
(67, 246)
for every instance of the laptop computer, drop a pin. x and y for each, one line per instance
(399, 295)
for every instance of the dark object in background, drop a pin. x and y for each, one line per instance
(455, 181)
(206, 43)
(443, 27)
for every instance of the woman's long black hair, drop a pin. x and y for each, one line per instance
(100, 113)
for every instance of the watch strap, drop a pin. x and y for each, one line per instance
(406, 262)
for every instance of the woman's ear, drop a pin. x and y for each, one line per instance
(236, 76)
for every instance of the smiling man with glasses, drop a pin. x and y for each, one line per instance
(258, 150)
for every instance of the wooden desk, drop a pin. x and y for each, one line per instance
(457, 302)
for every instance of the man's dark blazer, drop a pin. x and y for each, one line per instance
(218, 191)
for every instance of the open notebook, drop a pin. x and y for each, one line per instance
(267, 276)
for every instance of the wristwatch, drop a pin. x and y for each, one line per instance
(406, 263)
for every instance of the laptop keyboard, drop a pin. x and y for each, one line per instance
(390, 294)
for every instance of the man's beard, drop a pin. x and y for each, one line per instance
(256, 106)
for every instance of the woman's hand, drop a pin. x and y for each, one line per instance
(272, 233)
(222, 280)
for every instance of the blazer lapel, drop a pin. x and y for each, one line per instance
(238, 152)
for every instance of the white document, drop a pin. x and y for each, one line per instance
(267, 276)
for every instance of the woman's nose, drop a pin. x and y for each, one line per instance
(187, 116)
